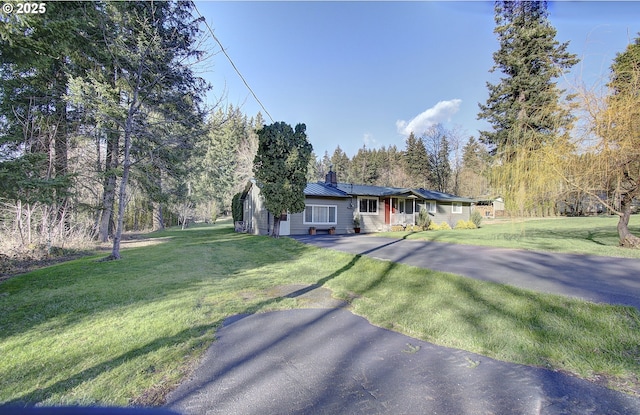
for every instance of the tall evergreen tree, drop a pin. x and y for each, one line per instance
(38, 53)
(218, 157)
(473, 181)
(417, 163)
(523, 108)
(152, 44)
(393, 168)
(341, 165)
(281, 169)
(400, 175)
(365, 166)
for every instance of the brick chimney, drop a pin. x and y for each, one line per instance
(331, 178)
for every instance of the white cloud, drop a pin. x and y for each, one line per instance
(370, 141)
(442, 111)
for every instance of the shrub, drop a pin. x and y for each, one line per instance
(356, 220)
(465, 224)
(424, 220)
(236, 207)
(442, 227)
(476, 218)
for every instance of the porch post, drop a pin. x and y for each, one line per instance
(414, 212)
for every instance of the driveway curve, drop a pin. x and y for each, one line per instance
(330, 361)
(593, 278)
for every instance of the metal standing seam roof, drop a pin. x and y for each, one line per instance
(347, 190)
(381, 191)
(321, 189)
(368, 190)
(432, 194)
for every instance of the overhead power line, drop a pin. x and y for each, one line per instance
(231, 62)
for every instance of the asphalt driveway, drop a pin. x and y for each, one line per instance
(594, 278)
(329, 361)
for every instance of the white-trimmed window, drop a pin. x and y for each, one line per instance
(321, 214)
(456, 207)
(430, 205)
(368, 205)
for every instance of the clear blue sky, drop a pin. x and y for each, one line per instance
(367, 73)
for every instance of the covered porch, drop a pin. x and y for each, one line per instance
(402, 210)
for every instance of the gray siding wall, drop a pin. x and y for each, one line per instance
(258, 218)
(260, 221)
(344, 216)
(370, 222)
(444, 213)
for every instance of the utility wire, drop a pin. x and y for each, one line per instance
(231, 61)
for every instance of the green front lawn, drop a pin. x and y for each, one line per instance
(126, 332)
(584, 235)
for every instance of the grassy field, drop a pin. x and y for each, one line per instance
(580, 235)
(125, 332)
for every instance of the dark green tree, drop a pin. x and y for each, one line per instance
(162, 165)
(392, 167)
(366, 166)
(417, 162)
(223, 163)
(474, 155)
(38, 53)
(151, 45)
(523, 108)
(217, 158)
(236, 207)
(341, 165)
(474, 169)
(280, 169)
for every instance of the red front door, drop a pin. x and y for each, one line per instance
(387, 211)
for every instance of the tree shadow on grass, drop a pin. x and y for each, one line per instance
(344, 386)
(40, 394)
(64, 294)
(196, 333)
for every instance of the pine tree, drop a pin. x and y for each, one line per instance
(417, 163)
(365, 167)
(38, 54)
(151, 45)
(473, 182)
(341, 165)
(523, 108)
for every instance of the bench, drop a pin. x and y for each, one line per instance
(327, 230)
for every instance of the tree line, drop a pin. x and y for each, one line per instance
(440, 159)
(547, 143)
(104, 127)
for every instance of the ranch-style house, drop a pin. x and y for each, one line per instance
(332, 206)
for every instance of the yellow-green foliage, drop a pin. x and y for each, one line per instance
(465, 224)
(442, 227)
